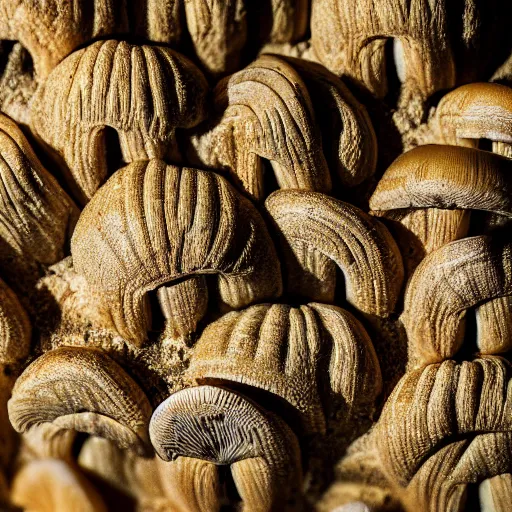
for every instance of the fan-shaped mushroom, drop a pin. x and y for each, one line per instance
(55, 486)
(15, 329)
(36, 215)
(151, 224)
(318, 232)
(85, 390)
(450, 280)
(104, 85)
(280, 349)
(222, 427)
(266, 113)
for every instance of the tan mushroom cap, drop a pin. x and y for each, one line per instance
(318, 232)
(224, 428)
(104, 85)
(85, 390)
(450, 280)
(494, 325)
(52, 485)
(307, 356)
(36, 215)
(266, 113)
(15, 328)
(151, 224)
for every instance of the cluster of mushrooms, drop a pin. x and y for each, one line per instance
(255, 256)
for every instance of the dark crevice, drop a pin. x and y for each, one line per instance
(392, 70)
(113, 155)
(5, 50)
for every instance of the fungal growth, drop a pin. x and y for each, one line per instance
(152, 224)
(85, 390)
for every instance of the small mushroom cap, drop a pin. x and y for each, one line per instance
(152, 223)
(55, 486)
(308, 223)
(36, 215)
(85, 390)
(456, 277)
(307, 356)
(104, 85)
(266, 113)
(449, 177)
(15, 328)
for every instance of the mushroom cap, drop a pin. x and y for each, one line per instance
(310, 223)
(85, 390)
(307, 356)
(153, 223)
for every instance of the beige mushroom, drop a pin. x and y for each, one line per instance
(15, 328)
(318, 233)
(152, 224)
(496, 493)
(49, 441)
(450, 280)
(265, 113)
(36, 215)
(85, 390)
(52, 485)
(103, 86)
(310, 357)
(222, 427)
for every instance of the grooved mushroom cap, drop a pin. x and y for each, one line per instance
(36, 215)
(104, 85)
(15, 329)
(317, 232)
(222, 427)
(81, 389)
(450, 280)
(266, 113)
(434, 176)
(52, 485)
(446, 426)
(349, 38)
(151, 224)
(307, 356)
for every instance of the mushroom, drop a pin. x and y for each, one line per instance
(55, 486)
(102, 87)
(49, 441)
(444, 427)
(85, 390)
(36, 215)
(221, 427)
(450, 280)
(15, 329)
(317, 232)
(496, 493)
(152, 224)
(308, 357)
(264, 113)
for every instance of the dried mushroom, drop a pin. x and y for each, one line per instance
(151, 224)
(318, 233)
(221, 427)
(85, 390)
(265, 113)
(306, 356)
(102, 86)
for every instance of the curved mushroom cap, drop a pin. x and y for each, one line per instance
(476, 111)
(456, 277)
(307, 356)
(317, 231)
(446, 426)
(266, 113)
(349, 38)
(104, 85)
(85, 390)
(53, 485)
(494, 325)
(152, 223)
(348, 137)
(15, 329)
(224, 428)
(434, 176)
(36, 215)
